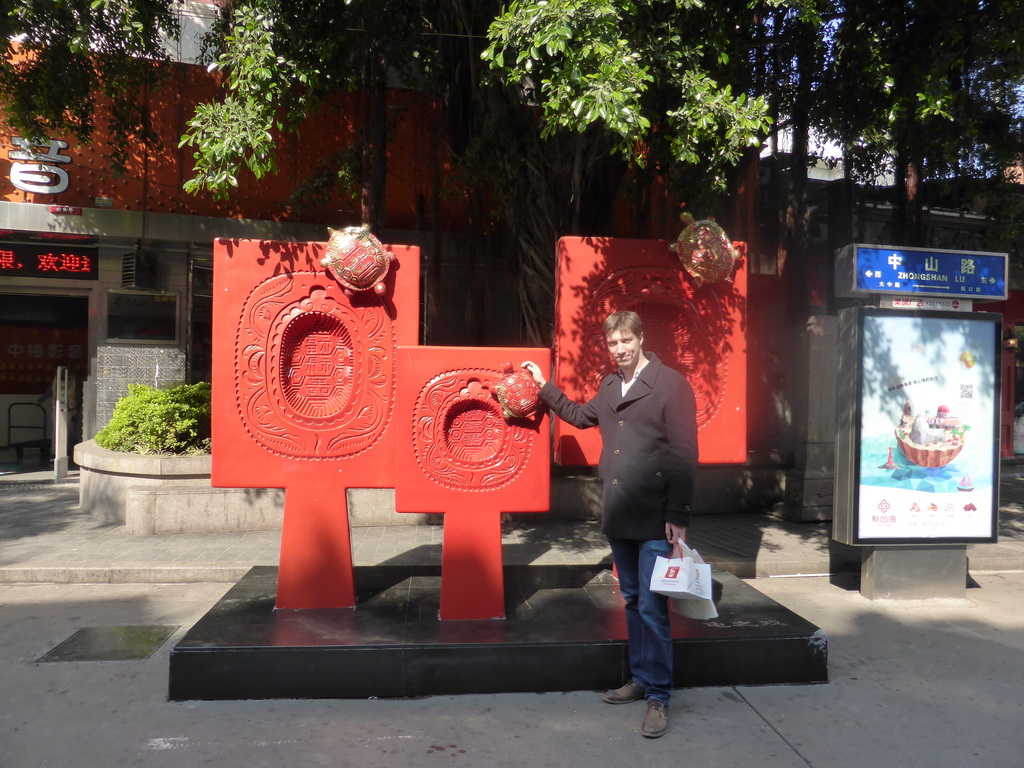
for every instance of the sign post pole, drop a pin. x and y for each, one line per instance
(60, 424)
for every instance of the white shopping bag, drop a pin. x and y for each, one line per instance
(686, 578)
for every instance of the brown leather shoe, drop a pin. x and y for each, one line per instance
(656, 720)
(631, 691)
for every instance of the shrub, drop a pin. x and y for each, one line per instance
(148, 421)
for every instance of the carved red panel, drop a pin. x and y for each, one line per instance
(460, 438)
(314, 375)
(699, 332)
(469, 462)
(304, 388)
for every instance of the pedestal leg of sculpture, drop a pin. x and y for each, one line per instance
(472, 580)
(315, 569)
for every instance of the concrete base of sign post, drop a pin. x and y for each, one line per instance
(920, 572)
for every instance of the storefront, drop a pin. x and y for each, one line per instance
(112, 273)
(115, 296)
(40, 332)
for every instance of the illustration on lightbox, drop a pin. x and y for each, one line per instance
(925, 449)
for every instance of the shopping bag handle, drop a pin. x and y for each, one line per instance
(677, 548)
(681, 549)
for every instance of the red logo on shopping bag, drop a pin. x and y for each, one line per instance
(672, 572)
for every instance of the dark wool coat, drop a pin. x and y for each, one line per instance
(649, 453)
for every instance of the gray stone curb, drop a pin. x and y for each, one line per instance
(143, 574)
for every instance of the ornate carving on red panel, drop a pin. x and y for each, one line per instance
(314, 377)
(686, 328)
(460, 438)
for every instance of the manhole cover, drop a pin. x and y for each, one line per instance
(123, 643)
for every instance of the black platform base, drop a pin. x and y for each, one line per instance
(564, 631)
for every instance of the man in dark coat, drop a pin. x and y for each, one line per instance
(647, 416)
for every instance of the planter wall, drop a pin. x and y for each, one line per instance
(168, 494)
(172, 494)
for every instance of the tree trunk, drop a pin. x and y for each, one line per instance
(908, 226)
(375, 141)
(741, 220)
(794, 261)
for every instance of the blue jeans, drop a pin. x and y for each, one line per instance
(649, 637)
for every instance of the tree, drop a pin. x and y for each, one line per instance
(547, 110)
(282, 59)
(789, 60)
(630, 78)
(653, 74)
(930, 90)
(585, 95)
(673, 87)
(63, 57)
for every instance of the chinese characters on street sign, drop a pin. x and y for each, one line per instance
(870, 269)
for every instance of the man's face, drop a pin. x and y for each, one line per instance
(624, 348)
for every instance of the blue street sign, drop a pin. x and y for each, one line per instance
(863, 270)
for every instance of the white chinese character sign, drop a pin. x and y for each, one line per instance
(919, 441)
(37, 165)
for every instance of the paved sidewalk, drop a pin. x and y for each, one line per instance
(46, 538)
(911, 683)
(917, 682)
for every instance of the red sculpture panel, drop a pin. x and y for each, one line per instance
(304, 387)
(470, 462)
(697, 331)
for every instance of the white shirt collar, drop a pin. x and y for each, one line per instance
(641, 364)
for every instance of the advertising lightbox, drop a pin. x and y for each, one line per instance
(918, 447)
